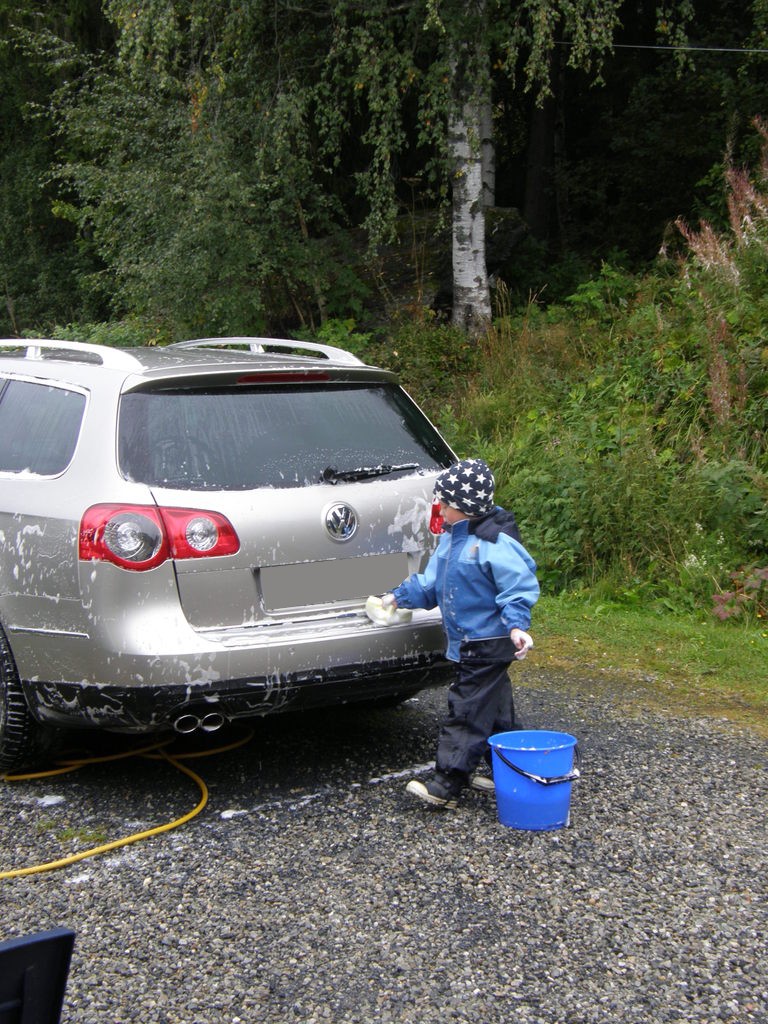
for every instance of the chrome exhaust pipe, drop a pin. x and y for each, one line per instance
(212, 722)
(186, 723)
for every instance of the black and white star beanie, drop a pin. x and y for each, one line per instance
(467, 486)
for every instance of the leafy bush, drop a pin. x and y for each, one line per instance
(605, 297)
(434, 360)
(342, 333)
(125, 333)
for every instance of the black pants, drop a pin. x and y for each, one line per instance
(479, 704)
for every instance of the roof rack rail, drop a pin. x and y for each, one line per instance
(339, 355)
(37, 348)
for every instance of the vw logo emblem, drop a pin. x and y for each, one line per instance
(341, 522)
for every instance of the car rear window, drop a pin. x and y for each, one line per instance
(281, 436)
(39, 427)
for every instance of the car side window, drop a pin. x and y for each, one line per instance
(39, 427)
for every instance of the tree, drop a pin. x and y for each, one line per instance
(211, 159)
(39, 264)
(472, 158)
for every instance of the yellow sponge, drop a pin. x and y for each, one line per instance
(386, 615)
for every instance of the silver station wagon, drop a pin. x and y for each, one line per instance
(188, 535)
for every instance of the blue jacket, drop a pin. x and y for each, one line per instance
(483, 588)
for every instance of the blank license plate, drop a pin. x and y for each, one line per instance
(338, 579)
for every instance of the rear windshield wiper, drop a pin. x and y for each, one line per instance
(333, 476)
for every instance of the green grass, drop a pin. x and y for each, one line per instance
(85, 836)
(679, 661)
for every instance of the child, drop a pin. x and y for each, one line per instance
(484, 581)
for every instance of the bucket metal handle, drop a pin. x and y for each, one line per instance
(572, 775)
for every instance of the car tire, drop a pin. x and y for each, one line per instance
(21, 738)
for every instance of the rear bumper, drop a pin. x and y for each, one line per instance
(146, 709)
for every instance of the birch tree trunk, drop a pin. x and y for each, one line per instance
(471, 294)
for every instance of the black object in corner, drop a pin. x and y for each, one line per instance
(33, 977)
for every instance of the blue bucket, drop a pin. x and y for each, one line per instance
(533, 771)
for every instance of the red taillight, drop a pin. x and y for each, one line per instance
(436, 521)
(131, 536)
(141, 537)
(198, 534)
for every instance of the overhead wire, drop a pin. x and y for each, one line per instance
(689, 49)
(676, 46)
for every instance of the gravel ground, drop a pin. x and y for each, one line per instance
(313, 889)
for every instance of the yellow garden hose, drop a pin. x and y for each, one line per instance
(156, 751)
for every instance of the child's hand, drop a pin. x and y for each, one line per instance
(383, 611)
(523, 642)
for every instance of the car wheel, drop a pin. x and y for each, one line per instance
(20, 735)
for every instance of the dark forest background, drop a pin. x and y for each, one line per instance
(128, 190)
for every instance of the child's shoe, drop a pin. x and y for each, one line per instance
(482, 784)
(435, 793)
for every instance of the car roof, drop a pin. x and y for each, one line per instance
(284, 360)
